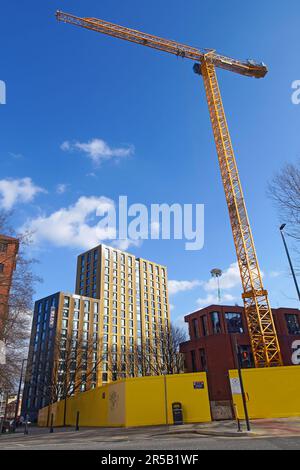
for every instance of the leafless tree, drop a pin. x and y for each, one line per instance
(127, 362)
(284, 190)
(162, 356)
(154, 356)
(16, 317)
(74, 366)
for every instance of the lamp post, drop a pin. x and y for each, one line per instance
(19, 395)
(289, 259)
(217, 273)
(244, 401)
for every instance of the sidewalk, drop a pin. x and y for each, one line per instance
(283, 427)
(259, 428)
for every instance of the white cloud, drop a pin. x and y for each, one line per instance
(16, 156)
(181, 286)
(61, 188)
(73, 226)
(98, 150)
(124, 244)
(230, 278)
(13, 191)
(77, 225)
(65, 146)
(180, 323)
(274, 274)
(212, 299)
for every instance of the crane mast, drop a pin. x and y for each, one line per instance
(264, 341)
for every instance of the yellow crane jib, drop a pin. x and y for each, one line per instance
(263, 337)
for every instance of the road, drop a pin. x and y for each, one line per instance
(93, 440)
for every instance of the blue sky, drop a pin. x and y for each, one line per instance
(65, 84)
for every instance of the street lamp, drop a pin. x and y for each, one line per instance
(217, 273)
(289, 258)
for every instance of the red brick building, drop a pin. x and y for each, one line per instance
(8, 254)
(213, 331)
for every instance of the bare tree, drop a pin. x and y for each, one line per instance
(74, 366)
(17, 314)
(127, 362)
(154, 356)
(162, 356)
(284, 190)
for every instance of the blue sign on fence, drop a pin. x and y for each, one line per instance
(198, 385)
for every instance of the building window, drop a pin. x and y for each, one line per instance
(246, 356)
(234, 322)
(292, 322)
(65, 313)
(1, 267)
(203, 362)
(3, 247)
(215, 320)
(86, 317)
(195, 327)
(204, 325)
(193, 359)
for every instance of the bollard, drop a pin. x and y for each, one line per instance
(51, 424)
(26, 424)
(26, 427)
(77, 421)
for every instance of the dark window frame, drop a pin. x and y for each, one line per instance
(193, 360)
(204, 325)
(232, 330)
(203, 359)
(3, 247)
(195, 328)
(214, 329)
(294, 326)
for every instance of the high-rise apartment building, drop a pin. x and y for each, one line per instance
(111, 328)
(134, 306)
(64, 350)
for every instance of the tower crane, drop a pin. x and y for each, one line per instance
(264, 341)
